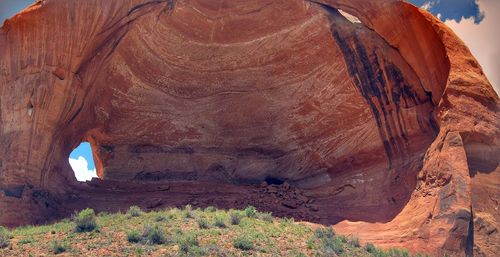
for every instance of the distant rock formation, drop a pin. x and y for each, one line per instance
(386, 128)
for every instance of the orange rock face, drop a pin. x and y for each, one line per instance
(385, 128)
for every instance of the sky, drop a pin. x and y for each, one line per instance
(476, 22)
(82, 162)
(11, 7)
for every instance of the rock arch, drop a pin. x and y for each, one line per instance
(202, 100)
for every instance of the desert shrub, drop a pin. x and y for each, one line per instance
(219, 222)
(422, 255)
(153, 235)
(342, 238)
(214, 250)
(210, 209)
(234, 218)
(296, 253)
(329, 242)
(250, 212)
(324, 233)
(370, 247)
(287, 221)
(311, 242)
(134, 236)
(25, 241)
(85, 221)
(188, 212)
(336, 245)
(58, 247)
(160, 218)
(187, 242)
(202, 223)
(103, 214)
(354, 242)
(4, 237)
(134, 211)
(173, 214)
(243, 243)
(398, 252)
(266, 216)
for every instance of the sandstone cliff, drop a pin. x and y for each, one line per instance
(386, 128)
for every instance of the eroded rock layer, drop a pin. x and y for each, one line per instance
(383, 126)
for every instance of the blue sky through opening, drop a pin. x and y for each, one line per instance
(84, 150)
(82, 162)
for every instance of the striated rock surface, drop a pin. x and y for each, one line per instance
(385, 128)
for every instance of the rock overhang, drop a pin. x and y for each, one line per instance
(190, 95)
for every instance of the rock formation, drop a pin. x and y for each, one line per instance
(385, 127)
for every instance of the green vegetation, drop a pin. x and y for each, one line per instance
(187, 242)
(219, 222)
(134, 236)
(202, 223)
(354, 242)
(85, 221)
(243, 243)
(153, 235)
(250, 212)
(235, 218)
(329, 243)
(58, 247)
(160, 218)
(266, 216)
(184, 232)
(210, 209)
(369, 247)
(134, 211)
(26, 241)
(4, 237)
(188, 212)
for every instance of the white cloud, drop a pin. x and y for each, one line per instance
(483, 39)
(81, 169)
(427, 6)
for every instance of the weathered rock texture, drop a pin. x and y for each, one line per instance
(386, 128)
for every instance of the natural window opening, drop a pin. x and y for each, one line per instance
(30, 109)
(82, 162)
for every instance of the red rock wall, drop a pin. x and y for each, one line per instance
(388, 127)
